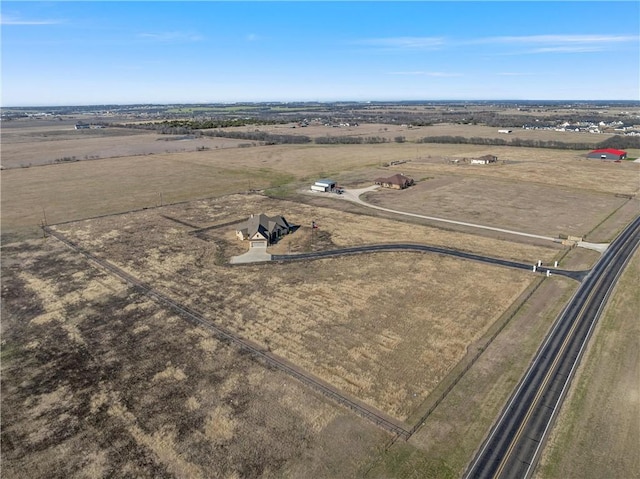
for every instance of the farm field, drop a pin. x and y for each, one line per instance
(97, 381)
(43, 146)
(91, 365)
(414, 133)
(341, 317)
(556, 168)
(84, 189)
(529, 207)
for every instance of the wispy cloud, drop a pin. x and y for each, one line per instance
(9, 20)
(252, 37)
(428, 74)
(560, 39)
(404, 43)
(562, 43)
(568, 49)
(540, 44)
(170, 37)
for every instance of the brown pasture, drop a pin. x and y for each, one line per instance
(532, 208)
(367, 324)
(558, 168)
(412, 133)
(83, 189)
(98, 381)
(81, 366)
(43, 146)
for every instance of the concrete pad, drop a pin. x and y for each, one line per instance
(599, 247)
(256, 254)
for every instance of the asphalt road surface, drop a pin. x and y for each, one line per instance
(577, 275)
(513, 446)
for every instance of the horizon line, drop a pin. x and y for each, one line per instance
(257, 102)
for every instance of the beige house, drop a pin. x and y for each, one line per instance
(484, 160)
(263, 230)
(397, 181)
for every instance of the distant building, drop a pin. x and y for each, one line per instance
(263, 230)
(484, 160)
(608, 154)
(324, 185)
(398, 182)
(82, 126)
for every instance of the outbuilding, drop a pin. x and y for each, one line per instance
(608, 154)
(324, 185)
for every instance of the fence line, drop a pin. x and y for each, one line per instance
(245, 345)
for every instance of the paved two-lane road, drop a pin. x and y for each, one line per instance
(513, 446)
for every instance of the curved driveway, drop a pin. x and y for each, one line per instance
(577, 275)
(354, 196)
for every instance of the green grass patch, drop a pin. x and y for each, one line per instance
(404, 461)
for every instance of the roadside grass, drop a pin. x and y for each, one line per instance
(598, 429)
(457, 427)
(405, 461)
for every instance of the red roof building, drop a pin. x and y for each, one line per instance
(608, 154)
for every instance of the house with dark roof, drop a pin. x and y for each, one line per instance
(397, 181)
(608, 154)
(263, 230)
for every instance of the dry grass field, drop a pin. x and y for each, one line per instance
(26, 147)
(601, 416)
(367, 324)
(443, 446)
(89, 188)
(97, 381)
(533, 208)
(528, 165)
(413, 133)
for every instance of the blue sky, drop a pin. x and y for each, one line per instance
(80, 53)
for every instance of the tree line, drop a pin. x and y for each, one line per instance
(617, 141)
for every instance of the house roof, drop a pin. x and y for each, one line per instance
(325, 181)
(266, 225)
(612, 151)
